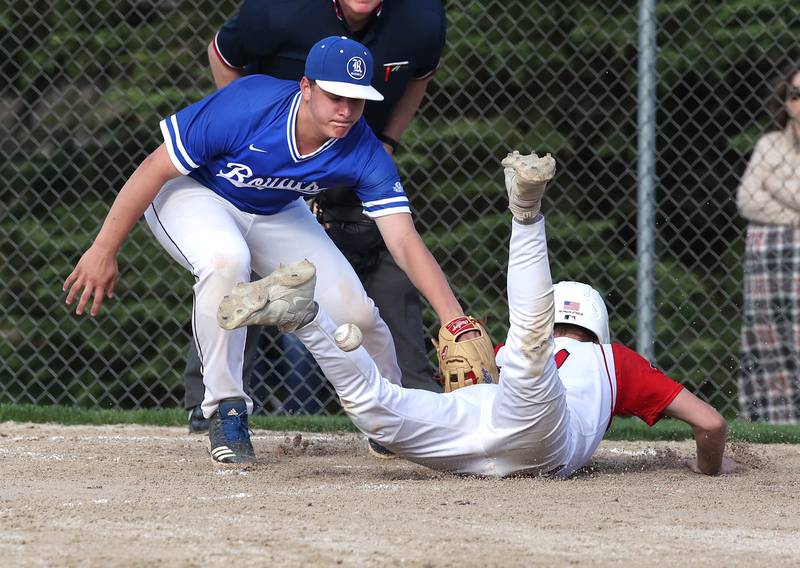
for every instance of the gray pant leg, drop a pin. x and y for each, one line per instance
(400, 307)
(193, 376)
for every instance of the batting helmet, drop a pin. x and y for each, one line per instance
(580, 304)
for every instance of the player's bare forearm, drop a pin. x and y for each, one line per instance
(134, 197)
(411, 255)
(425, 273)
(96, 273)
(710, 431)
(710, 448)
(221, 73)
(406, 107)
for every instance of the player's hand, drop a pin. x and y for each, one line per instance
(317, 211)
(95, 275)
(727, 466)
(467, 336)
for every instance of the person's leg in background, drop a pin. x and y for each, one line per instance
(400, 307)
(769, 390)
(294, 233)
(396, 298)
(193, 378)
(301, 376)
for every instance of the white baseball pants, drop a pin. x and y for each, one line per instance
(520, 425)
(220, 245)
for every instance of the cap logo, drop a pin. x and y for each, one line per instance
(356, 68)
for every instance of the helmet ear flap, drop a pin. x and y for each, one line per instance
(579, 304)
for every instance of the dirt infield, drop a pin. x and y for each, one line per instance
(133, 496)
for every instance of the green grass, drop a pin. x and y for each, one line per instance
(668, 429)
(621, 429)
(162, 417)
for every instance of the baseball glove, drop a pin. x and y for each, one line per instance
(467, 362)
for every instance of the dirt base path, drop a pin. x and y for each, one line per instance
(134, 496)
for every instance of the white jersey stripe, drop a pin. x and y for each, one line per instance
(290, 125)
(168, 143)
(382, 207)
(179, 142)
(399, 199)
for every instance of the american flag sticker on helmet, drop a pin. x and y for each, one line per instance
(574, 306)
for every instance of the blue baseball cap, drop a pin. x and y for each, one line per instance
(342, 66)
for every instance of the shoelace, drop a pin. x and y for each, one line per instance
(236, 429)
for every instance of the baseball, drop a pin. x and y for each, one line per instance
(348, 337)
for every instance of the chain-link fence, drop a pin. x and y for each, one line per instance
(85, 84)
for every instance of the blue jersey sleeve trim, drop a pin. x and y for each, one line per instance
(170, 149)
(386, 212)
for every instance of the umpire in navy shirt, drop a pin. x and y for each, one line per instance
(406, 38)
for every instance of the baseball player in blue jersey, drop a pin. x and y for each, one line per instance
(405, 38)
(224, 194)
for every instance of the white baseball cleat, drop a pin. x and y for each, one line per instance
(526, 178)
(348, 337)
(284, 299)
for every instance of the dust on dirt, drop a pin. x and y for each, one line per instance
(135, 496)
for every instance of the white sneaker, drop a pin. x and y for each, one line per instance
(284, 299)
(526, 178)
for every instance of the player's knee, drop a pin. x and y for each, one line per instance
(364, 315)
(227, 265)
(347, 303)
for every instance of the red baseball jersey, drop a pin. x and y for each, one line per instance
(642, 389)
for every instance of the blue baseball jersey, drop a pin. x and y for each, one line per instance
(240, 143)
